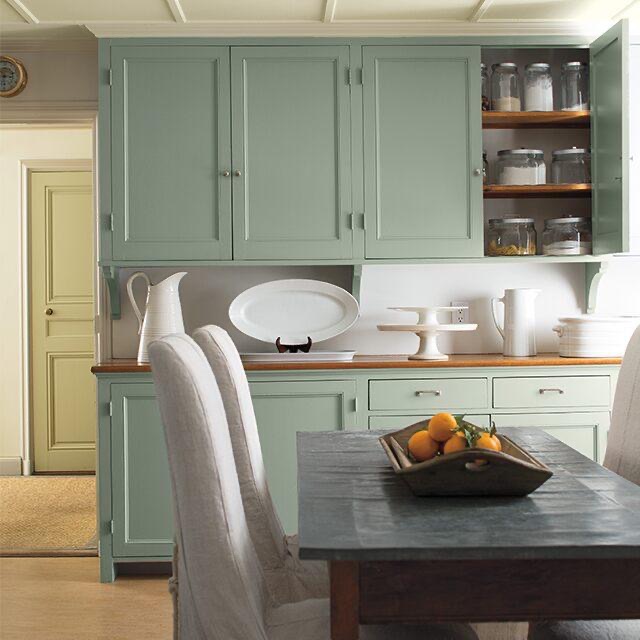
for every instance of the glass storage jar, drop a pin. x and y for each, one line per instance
(566, 237)
(511, 237)
(505, 87)
(484, 86)
(538, 87)
(521, 166)
(571, 166)
(575, 86)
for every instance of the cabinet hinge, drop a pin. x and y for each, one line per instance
(352, 223)
(349, 76)
(111, 409)
(111, 527)
(355, 405)
(108, 217)
(110, 77)
(364, 222)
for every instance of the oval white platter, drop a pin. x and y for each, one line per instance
(293, 310)
(312, 356)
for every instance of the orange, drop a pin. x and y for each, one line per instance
(495, 438)
(422, 446)
(442, 426)
(487, 441)
(455, 443)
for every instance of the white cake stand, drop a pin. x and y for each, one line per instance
(427, 329)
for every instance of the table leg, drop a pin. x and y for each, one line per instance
(345, 600)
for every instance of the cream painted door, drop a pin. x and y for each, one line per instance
(61, 260)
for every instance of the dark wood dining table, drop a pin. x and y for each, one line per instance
(570, 550)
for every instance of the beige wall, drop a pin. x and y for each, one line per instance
(17, 145)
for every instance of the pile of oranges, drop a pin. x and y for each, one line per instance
(448, 434)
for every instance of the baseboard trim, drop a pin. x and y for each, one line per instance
(11, 466)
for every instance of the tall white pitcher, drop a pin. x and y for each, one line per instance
(519, 332)
(163, 314)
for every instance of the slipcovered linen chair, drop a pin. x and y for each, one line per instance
(622, 457)
(221, 591)
(288, 578)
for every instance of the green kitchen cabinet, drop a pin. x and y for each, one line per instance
(609, 76)
(170, 150)
(422, 151)
(291, 152)
(585, 432)
(284, 408)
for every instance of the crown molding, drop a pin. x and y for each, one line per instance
(48, 45)
(345, 28)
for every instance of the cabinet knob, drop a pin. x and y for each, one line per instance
(237, 173)
(49, 311)
(226, 174)
(477, 172)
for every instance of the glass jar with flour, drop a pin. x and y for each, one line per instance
(521, 167)
(538, 87)
(505, 87)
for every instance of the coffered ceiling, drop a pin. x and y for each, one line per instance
(81, 18)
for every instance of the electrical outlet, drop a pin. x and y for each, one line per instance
(460, 316)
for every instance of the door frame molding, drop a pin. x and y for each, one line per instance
(28, 167)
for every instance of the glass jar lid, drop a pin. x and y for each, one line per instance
(567, 152)
(552, 222)
(538, 153)
(573, 65)
(538, 66)
(504, 65)
(483, 66)
(509, 221)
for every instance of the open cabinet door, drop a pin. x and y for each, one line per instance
(610, 139)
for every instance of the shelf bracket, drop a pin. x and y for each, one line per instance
(112, 280)
(593, 276)
(356, 282)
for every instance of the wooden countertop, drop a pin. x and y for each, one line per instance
(387, 362)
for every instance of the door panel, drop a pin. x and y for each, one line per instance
(609, 74)
(291, 144)
(141, 491)
(170, 145)
(284, 408)
(423, 143)
(62, 333)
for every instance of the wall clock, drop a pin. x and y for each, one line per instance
(13, 77)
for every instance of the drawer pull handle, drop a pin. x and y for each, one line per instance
(429, 392)
(543, 391)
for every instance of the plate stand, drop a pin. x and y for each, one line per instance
(294, 348)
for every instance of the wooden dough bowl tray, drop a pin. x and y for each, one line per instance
(512, 472)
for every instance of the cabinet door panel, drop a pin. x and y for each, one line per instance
(170, 143)
(423, 142)
(141, 491)
(585, 432)
(610, 139)
(291, 144)
(284, 408)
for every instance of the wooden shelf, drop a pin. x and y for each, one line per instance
(537, 191)
(536, 119)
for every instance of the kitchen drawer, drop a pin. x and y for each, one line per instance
(431, 394)
(400, 422)
(551, 392)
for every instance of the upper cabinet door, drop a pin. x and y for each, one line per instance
(170, 137)
(610, 139)
(423, 151)
(291, 152)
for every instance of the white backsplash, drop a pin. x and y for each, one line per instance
(207, 292)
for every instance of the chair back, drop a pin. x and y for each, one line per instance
(221, 586)
(623, 446)
(265, 527)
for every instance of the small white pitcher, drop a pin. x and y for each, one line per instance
(163, 313)
(519, 333)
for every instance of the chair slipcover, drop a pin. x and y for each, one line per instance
(622, 457)
(287, 577)
(222, 594)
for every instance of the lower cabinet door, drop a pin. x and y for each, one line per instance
(141, 486)
(400, 422)
(584, 432)
(284, 408)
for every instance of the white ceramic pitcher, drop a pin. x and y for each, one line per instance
(163, 314)
(519, 332)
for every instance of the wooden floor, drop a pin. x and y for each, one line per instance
(61, 599)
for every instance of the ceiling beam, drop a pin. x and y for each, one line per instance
(479, 10)
(621, 13)
(24, 12)
(177, 11)
(329, 10)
